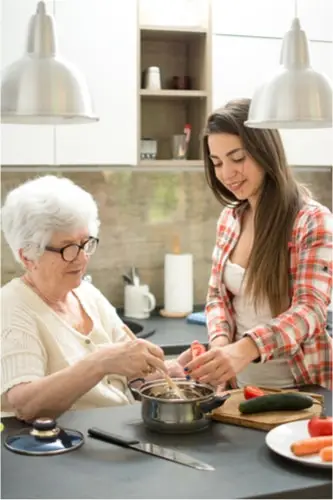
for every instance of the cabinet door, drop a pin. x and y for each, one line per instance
(100, 38)
(269, 18)
(272, 18)
(240, 64)
(174, 13)
(21, 144)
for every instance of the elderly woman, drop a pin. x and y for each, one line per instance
(63, 344)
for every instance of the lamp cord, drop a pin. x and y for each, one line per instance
(296, 8)
(54, 126)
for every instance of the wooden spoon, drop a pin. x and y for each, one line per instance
(177, 390)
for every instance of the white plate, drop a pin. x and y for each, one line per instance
(281, 437)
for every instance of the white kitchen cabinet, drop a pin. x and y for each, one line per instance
(316, 19)
(272, 18)
(174, 13)
(241, 64)
(21, 144)
(100, 38)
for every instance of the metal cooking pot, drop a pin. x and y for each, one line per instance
(163, 412)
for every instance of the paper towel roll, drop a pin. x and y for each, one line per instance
(178, 283)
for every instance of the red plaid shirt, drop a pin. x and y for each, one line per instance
(299, 334)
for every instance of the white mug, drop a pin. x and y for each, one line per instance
(139, 302)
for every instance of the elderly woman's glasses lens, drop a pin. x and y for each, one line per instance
(70, 252)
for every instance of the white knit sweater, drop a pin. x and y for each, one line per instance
(36, 342)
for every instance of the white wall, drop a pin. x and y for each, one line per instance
(247, 39)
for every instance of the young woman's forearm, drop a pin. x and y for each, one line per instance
(219, 341)
(56, 393)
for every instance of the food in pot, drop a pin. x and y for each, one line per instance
(250, 392)
(164, 392)
(320, 426)
(311, 446)
(288, 401)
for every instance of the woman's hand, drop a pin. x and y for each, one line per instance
(133, 359)
(175, 367)
(220, 364)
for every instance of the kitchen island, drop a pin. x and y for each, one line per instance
(176, 335)
(245, 467)
(173, 335)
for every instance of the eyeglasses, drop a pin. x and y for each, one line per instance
(70, 252)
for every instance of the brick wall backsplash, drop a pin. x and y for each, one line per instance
(141, 213)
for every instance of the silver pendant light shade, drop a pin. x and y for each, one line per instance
(296, 97)
(42, 88)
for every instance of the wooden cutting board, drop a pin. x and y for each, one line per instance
(229, 413)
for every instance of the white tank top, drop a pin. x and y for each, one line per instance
(274, 373)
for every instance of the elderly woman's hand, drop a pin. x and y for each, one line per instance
(135, 358)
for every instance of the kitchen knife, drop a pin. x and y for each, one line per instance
(149, 448)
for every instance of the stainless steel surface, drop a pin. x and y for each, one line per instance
(297, 96)
(148, 149)
(150, 449)
(152, 78)
(163, 412)
(44, 438)
(172, 455)
(41, 87)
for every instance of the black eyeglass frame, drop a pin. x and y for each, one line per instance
(79, 248)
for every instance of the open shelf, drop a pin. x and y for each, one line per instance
(172, 163)
(161, 119)
(177, 52)
(173, 94)
(171, 33)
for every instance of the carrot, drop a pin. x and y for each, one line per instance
(311, 446)
(326, 454)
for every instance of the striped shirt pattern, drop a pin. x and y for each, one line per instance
(298, 334)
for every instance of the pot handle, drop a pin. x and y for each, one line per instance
(135, 392)
(215, 403)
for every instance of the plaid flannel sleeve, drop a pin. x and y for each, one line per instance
(220, 322)
(312, 291)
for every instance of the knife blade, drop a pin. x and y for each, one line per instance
(150, 449)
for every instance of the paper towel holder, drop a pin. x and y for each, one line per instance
(174, 315)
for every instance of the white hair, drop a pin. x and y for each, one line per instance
(36, 209)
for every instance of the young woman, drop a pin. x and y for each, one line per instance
(271, 279)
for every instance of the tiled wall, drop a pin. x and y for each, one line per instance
(140, 213)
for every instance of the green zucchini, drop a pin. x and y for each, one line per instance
(288, 401)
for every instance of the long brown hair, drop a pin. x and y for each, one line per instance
(280, 199)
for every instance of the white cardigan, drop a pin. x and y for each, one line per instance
(36, 342)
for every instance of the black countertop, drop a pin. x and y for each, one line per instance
(173, 335)
(176, 335)
(245, 467)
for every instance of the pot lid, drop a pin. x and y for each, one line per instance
(45, 438)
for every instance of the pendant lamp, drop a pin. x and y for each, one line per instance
(41, 87)
(297, 96)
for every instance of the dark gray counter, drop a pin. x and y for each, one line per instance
(176, 335)
(173, 335)
(245, 468)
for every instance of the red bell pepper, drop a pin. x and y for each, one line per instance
(197, 349)
(250, 392)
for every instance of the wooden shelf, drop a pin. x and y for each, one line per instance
(173, 94)
(170, 33)
(182, 54)
(172, 163)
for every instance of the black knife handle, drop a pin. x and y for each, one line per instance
(111, 438)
